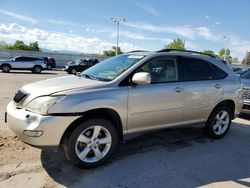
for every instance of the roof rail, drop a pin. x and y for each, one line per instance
(137, 51)
(189, 51)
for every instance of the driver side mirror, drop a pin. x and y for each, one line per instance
(141, 78)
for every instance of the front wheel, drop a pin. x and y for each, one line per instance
(49, 67)
(6, 68)
(73, 71)
(37, 69)
(219, 122)
(92, 143)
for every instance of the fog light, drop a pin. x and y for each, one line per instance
(33, 133)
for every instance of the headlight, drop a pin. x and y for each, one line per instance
(41, 105)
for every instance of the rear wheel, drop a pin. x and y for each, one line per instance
(219, 122)
(92, 143)
(73, 71)
(6, 68)
(37, 69)
(49, 67)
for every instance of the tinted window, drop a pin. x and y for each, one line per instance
(197, 69)
(20, 59)
(219, 74)
(246, 75)
(161, 70)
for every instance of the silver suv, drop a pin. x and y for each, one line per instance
(35, 65)
(245, 79)
(135, 92)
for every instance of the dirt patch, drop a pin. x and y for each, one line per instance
(13, 151)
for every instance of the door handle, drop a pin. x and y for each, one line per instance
(217, 86)
(179, 89)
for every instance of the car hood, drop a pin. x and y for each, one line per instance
(245, 82)
(59, 84)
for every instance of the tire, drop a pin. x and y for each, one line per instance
(37, 69)
(219, 122)
(73, 71)
(49, 67)
(91, 143)
(6, 68)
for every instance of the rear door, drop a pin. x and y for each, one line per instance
(203, 87)
(159, 104)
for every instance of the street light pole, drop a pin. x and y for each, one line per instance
(117, 20)
(226, 41)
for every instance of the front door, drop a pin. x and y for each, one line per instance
(159, 104)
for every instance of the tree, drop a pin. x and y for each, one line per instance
(2, 44)
(246, 59)
(235, 60)
(225, 54)
(112, 52)
(34, 46)
(20, 45)
(209, 52)
(176, 44)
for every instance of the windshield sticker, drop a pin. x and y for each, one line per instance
(135, 56)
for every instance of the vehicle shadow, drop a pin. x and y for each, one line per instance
(245, 116)
(42, 73)
(180, 157)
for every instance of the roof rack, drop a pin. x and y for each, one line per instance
(137, 51)
(188, 51)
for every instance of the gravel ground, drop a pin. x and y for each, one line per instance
(182, 157)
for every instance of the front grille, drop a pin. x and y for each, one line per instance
(246, 93)
(19, 96)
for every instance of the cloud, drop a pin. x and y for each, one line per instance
(149, 9)
(238, 46)
(217, 23)
(58, 22)
(18, 16)
(58, 40)
(183, 31)
(205, 32)
(207, 17)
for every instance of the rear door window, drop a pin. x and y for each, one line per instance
(195, 69)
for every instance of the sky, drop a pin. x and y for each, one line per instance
(85, 26)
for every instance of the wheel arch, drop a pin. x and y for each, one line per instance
(229, 103)
(105, 113)
(5, 64)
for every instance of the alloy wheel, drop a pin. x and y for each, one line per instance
(93, 144)
(221, 122)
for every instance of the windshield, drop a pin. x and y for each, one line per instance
(246, 75)
(111, 68)
(78, 61)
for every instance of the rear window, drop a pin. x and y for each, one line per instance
(198, 69)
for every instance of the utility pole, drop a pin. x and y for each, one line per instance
(227, 39)
(117, 20)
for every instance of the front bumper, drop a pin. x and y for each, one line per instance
(21, 121)
(246, 107)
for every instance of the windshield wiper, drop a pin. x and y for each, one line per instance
(95, 78)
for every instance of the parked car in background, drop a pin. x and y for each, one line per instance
(130, 93)
(245, 79)
(80, 65)
(238, 70)
(50, 62)
(35, 65)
